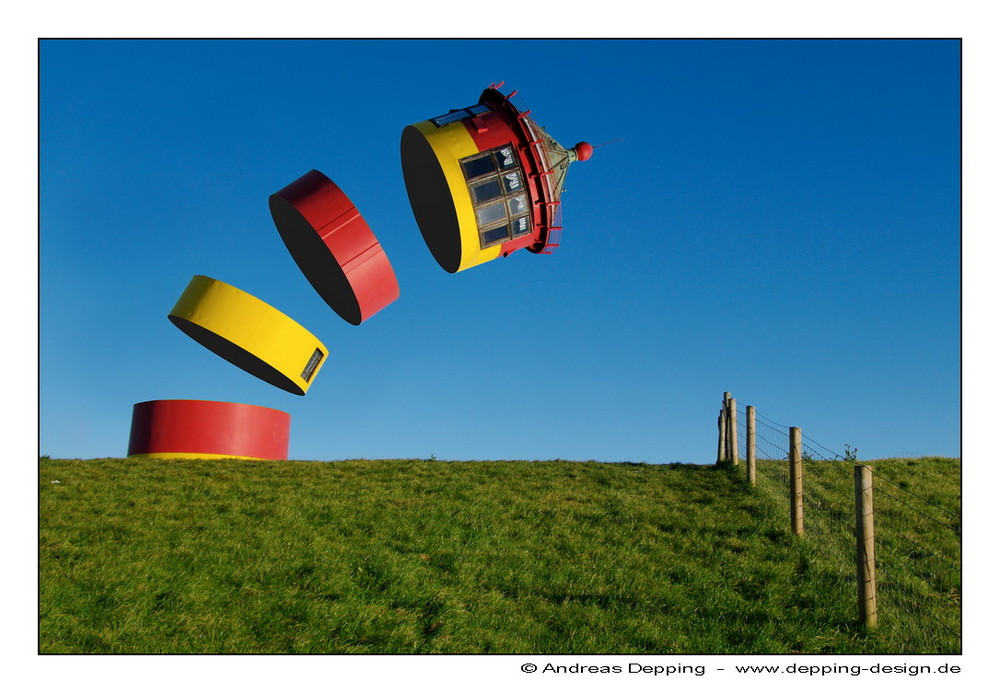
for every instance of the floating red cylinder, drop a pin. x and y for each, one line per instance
(191, 428)
(334, 247)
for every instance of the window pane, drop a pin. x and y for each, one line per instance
(478, 166)
(485, 190)
(512, 182)
(307, 372)
(520, 226)
(493, 235)
(506, 157)
(450, 117)
(490, 214)
(517, 205)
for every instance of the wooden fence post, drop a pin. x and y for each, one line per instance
(734, 439)
(864, 517)
(751, 445)
(723, 430)
(720, 456)
(795, 479)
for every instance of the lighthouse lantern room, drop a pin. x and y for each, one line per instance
(485, 181)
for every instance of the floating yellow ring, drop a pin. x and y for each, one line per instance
(249, 334)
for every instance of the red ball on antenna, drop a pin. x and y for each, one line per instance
(584, 150)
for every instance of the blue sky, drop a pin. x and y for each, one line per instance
(781, 220)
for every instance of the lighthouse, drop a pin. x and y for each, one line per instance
(485, 180)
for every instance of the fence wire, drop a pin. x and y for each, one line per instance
(918, 540)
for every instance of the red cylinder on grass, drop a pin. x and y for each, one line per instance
(203, 429)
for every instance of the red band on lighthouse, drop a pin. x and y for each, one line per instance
(334, 247)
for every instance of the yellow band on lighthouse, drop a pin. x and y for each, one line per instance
(450, 145)
(249, 333)
(190, 456)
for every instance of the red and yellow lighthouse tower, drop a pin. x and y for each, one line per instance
(485, 181)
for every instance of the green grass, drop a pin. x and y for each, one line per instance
(421, 556)
(918, 543)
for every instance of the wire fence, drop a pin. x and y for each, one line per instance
(917, 528)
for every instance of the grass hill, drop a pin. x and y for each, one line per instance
(427, 556)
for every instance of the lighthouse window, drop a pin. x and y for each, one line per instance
(512, 182)
(307, 372)
(486, 190)
(497, 190)
(478, 166)
(520, 226)
(506, 157)
(488, 214)
(451, 117)
(460, 114)
(491, 236)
